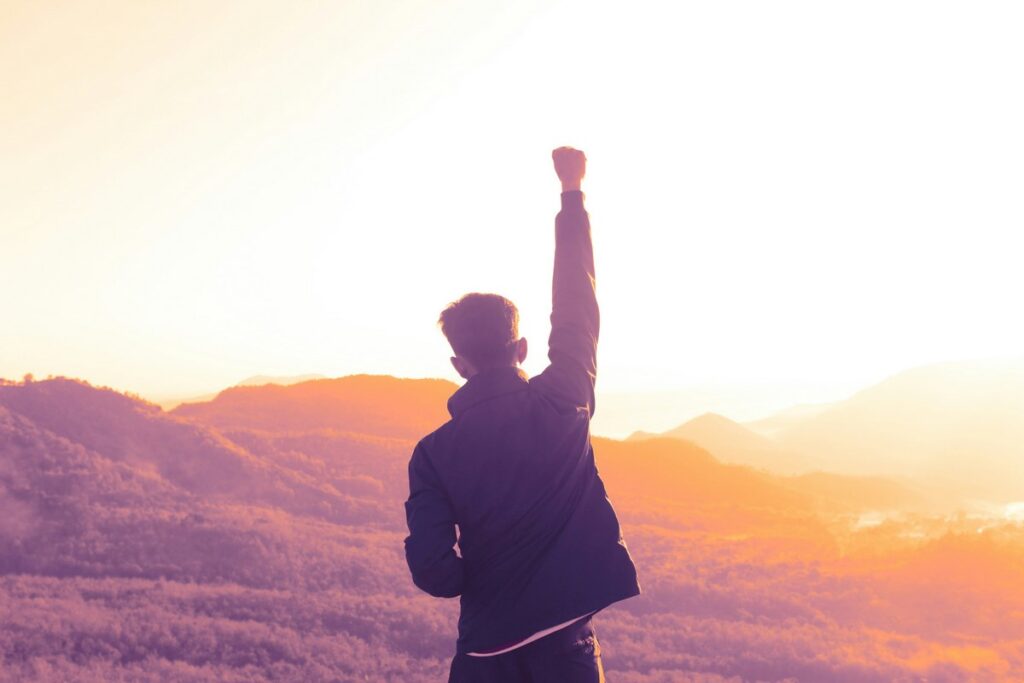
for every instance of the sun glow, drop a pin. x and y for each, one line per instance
(792, 192)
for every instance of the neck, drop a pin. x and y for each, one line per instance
(492, 368)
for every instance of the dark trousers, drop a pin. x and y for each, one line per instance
(569, 655)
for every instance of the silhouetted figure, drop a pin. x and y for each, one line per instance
(539, 547)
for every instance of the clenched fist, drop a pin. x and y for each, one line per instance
(571, 166)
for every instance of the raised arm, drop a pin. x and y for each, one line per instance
(575, 318)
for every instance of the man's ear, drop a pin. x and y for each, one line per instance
(521, 349)
(461, 367)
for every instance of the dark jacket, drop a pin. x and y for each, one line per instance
(514, 468)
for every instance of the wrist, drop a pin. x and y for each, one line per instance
(572, 200)
(570, 186)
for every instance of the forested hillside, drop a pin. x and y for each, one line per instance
(259, 537)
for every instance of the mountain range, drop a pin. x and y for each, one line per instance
(957, 428)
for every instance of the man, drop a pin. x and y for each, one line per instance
(539, 546)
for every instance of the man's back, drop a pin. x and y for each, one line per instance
(514, 468)
(539, 539)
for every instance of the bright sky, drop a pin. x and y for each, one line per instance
(789, 192)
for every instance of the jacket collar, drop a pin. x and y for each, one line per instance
(487, 384)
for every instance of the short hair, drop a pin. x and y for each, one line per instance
(482, 328)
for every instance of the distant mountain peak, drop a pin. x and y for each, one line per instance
(713, 419)
(260, 380)
(715, 426)
(731, 442)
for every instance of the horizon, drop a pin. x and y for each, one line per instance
(653, 412)
(659, 410)
(769, 443)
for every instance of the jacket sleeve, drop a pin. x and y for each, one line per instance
(575, 318)
(429, 547)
